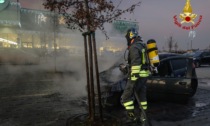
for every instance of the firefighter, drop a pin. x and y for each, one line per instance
(139, 71)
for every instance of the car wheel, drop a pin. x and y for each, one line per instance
(194, 83)
(197, 64)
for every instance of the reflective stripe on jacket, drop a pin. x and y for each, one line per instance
(137, 59)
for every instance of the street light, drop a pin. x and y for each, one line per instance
(192, 35)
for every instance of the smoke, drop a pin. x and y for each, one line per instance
(69, 63)
(75, 84)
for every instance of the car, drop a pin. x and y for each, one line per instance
(200, 57)
(176, 79)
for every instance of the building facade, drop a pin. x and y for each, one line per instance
(40, 29)
(28, 28)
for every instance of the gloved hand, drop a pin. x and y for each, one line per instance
(153, 69)
(123, 68)
(134, 76)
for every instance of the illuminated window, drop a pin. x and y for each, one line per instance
(2, 1)
(61, 20)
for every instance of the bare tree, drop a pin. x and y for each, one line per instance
(87, 16)
(170, 43)
(176, 46)
(77, 16)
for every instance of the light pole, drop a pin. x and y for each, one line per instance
(191, 43)
(192, 35)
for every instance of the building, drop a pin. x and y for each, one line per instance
(28, 28)
(45, 30)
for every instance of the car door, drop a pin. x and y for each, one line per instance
(174, 76)
(156, 84)
(180, 78)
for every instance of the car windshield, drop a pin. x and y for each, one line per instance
(197, 53)
(189, 54)
(163, 56)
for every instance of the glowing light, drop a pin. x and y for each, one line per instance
(8, 41)
(41, 18)
(2, 1)
(61, 20)
(101, 48)
(192, 34)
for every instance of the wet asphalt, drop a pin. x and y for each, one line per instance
(39, 98)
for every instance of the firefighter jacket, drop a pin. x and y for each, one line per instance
(138, 60)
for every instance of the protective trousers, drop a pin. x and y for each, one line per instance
(139, 87)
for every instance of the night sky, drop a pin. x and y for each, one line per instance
(156, 21)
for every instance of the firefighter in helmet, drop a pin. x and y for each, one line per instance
(139, 71)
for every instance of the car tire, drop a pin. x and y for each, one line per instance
(197, 64)
(194, 83)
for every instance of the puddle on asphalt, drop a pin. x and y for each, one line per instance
(200, 104)
(202, 82)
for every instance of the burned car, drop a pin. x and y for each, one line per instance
(176, 79)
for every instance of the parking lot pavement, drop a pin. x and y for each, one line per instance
(204, 84)
(29, 100)
(203, 74)
(198, 121)
(36, 98)
(202, 103)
